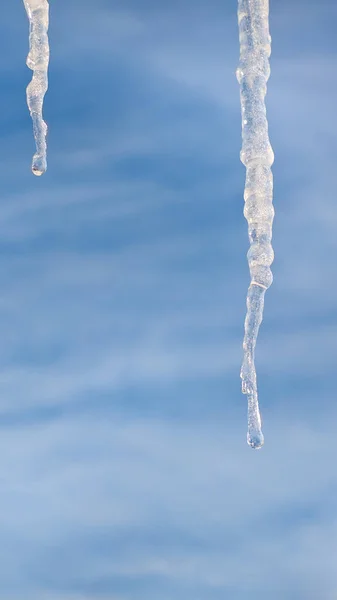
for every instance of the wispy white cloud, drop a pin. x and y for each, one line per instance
(135, 483)
(122, 279)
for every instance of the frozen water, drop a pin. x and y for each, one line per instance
(257, 156)
(38, 61)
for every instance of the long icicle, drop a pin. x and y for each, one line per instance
(38, 61)
(257, 156)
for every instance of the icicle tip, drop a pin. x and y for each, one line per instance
(255, 439)
(39, 165)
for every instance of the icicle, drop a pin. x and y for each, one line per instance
(37, 61)
(257, 156)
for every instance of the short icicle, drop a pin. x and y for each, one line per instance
(38, 61)
(257, 156)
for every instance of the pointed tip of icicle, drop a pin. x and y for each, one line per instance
(39, 166)
(255, 439)
(37, 172)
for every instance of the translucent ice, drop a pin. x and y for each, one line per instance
(37, 61)
(257, 156)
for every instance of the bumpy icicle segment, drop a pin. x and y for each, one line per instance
(37, 61)
(257, 156)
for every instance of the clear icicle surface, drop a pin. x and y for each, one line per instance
(257, 156)
(37, 61)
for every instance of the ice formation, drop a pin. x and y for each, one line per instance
(257, 156)
(37, 61)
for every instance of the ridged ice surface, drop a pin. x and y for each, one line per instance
(257, 156)
(38, 61)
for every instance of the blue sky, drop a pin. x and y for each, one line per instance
(123, 463)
